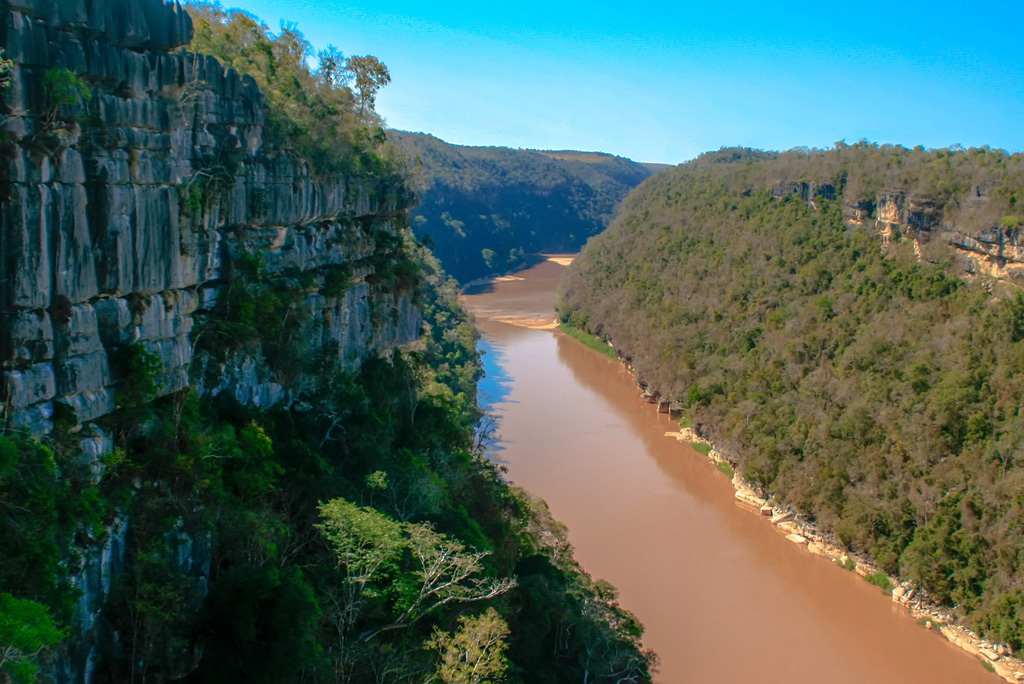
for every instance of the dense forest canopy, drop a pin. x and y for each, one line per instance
(855, 376)
(484, 210)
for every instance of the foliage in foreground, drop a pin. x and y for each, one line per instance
(358, 534)
(872, 390)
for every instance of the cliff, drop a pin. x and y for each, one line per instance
(957, 206)
(133, 215)
(211, 311)
(971, 233)
(126, 209)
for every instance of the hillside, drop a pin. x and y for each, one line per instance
(237, 430)
(483, 210)
(847, 326)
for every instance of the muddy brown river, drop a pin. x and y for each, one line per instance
(724, 597)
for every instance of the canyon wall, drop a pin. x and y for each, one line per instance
(127, 207)
(130, 209)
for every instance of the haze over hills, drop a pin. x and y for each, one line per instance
(484, 210)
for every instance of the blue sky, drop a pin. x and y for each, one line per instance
(664, 82)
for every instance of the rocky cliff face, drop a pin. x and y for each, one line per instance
(127, 213)
(980, 244)
(124, 215)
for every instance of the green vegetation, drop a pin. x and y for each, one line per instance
(64, 88)
(702, 448)
(310, 112)
(26, 630)
(725, 468)
(483, 210)
(5, 70)
(880, 580)
(848, 564)
(589, 340)
(869, 388)
(475, 653)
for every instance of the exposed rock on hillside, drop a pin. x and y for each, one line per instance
(973, 227)
(123, 220)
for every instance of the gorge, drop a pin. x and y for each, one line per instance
(240, 436)
(237, 395)
(724, 596)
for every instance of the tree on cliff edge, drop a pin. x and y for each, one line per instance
(370, 75)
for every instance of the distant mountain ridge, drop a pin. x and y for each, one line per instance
(485, 209)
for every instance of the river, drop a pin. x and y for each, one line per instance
(724, 597)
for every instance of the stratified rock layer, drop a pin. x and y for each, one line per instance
(97, 250)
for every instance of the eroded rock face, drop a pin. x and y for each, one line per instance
(105, 242)
(971, 229)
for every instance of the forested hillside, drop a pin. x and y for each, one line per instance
(847, 326)
(237, 431)
(484, 210)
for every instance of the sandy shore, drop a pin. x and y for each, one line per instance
(560, 259)
(519, 320)
(928, 613)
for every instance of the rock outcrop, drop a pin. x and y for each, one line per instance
(972, 229)
(807, 191)
(123, 217)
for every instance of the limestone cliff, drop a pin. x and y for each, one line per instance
(124, 214)
(128, 212)
(980, 244)
(970, 225)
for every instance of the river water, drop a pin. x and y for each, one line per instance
(724, 597)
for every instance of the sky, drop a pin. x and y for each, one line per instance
(664, 82)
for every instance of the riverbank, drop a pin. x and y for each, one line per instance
(705, 578)
(531, 261)
(998, 658)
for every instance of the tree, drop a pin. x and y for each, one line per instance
(368, 546)
(475, 653)
(609, 639)
(332, 67)
(5, 70)
(446, 572)
(26, 630)
(63, 88)
(370, 75)
(371, 549)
